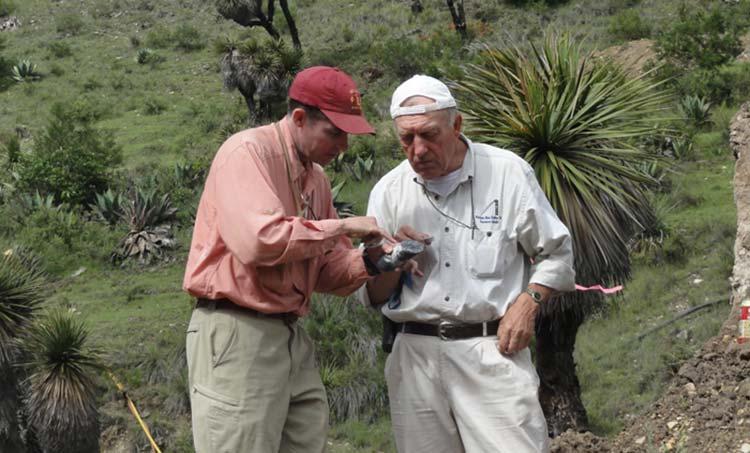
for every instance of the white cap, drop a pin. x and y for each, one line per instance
(425, 86)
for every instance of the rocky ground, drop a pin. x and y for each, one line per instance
(707, 406)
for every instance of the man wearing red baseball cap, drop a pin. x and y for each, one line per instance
(266, 236)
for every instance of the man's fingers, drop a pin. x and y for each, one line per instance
(503, 338)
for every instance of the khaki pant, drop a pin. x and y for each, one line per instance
(254, 386)
(463, 395)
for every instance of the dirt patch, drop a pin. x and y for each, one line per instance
(707, 406)
(745, 55)
(634, 56)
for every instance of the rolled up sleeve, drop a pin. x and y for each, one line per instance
(546, 239)
(342, 269)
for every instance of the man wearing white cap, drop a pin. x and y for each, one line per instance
(460, 376)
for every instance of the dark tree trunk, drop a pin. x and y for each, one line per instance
(10, 435)
(458, 16)
(559, 392)
(416, 6)
(292, 25)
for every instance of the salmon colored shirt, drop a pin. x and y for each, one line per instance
(249, 244)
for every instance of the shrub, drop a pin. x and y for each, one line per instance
(154, 106)
(188, 38)
(12, 151)
(69, 24)
(63, 238)
(347, 340)
(405, 57)
(159, 37)
(59, 49)
(71, 160)
(629, 25)
(148, 56)
(7, 7)
(704, 39)
(56, 70)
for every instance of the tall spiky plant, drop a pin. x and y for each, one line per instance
(60, 393)
(22, 289)
(576, 120)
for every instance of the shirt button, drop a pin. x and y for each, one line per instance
(447, 298)
(447, 264)
(447, 229)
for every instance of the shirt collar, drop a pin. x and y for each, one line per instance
(467, 167)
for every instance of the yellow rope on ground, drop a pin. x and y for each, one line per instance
(134, 411)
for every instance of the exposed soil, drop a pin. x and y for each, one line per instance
(707, 406)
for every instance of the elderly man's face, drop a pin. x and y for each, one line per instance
(429, 142)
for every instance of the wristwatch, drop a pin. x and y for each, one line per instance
(536, 295)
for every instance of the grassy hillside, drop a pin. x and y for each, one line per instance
(173, 110)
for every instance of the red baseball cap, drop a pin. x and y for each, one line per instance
(336, 95)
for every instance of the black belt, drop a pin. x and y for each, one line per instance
(226, 304)
(447, 330)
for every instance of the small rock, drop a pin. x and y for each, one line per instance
(744, 388)
(671, 424)
(80, 271)
(697, 281)
(640, 440)
(710, 356)
(745, 448)
(690, 388)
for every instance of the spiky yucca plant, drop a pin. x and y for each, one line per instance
(576, 120)
(22, 289)
(263, 70)
(60, 394)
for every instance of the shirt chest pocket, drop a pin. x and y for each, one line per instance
(490, 254)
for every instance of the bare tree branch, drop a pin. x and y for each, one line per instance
(458, 16)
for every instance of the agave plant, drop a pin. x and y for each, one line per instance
(343, 208)
(148, 217)
(22, 289)
(30, 203)
(61, 393)
(696, 111)
(108, 207)
(576, 120)
(25, 71)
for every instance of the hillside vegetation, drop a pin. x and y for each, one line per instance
(139, 82)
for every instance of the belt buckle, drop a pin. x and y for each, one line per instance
(443, 330)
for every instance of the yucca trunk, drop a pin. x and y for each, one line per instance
(10, 436)
(559, 390)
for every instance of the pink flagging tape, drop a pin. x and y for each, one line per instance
(614, 289)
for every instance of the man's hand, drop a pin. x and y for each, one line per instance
(365, 228)
(407, 232)
(517, 326)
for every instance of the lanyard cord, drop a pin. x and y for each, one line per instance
(306, 204)
(473, 225)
